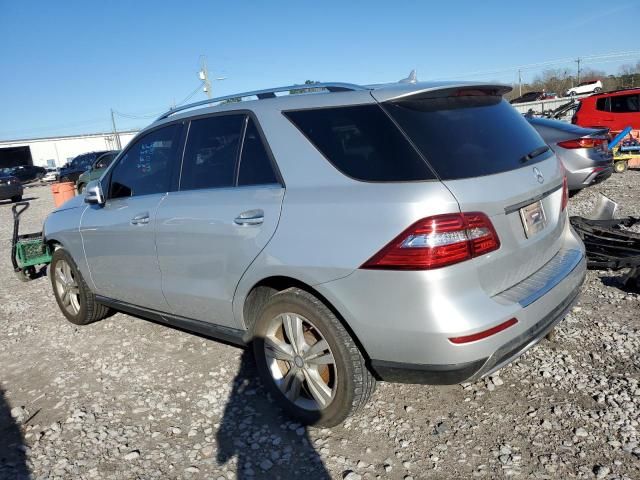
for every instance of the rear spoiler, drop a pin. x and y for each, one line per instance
(415, 92)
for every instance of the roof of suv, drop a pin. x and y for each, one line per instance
(321, 91)
(615, 92)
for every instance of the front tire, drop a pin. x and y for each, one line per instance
(308, 360)
(76, 301)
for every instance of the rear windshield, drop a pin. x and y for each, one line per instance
(362, 142)
(467, 136)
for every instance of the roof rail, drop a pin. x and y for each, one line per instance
(268, 93)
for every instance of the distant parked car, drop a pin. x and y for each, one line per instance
(28, 173)
(528, 97)
(76, 167)
(582, 151)
(588, 86)
(534, 96)
(95, 171)
(10, 186)
(50, 176)
(613, 110)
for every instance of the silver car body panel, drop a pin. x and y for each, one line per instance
(120, 246)
(203, 250)
(192, 260)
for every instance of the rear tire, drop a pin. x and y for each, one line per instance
(319, 378)
(620, 166)
(80, 187)
(597, 90)
(76, 301)
(17, 198)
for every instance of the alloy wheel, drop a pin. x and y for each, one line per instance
(300, 361)
(67, 287)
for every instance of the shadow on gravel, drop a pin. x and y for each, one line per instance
(253, 430)
(622, 283)
(13, 464)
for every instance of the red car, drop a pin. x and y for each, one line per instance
(613, 110)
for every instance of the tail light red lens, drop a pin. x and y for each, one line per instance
(436, 242)
(582, 143)
(565, 193)
(485, 333)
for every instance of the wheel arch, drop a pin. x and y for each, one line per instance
(261, 291)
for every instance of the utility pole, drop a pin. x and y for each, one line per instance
(115, 132)
(520, 81)
(578, 62)
(203, 74)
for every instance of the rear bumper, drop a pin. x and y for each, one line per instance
(589, 176)
(404, 320)
(472, 371)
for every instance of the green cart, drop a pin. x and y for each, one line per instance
(28, 250)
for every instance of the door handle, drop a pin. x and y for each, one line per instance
(140, 219)
(250, 217)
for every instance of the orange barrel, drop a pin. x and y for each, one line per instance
(62, 192)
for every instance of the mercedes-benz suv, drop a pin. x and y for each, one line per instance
(347, 234)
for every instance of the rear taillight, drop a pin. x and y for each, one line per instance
(565, 193)
(438, 241)
(582, 143)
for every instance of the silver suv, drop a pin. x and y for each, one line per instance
(408, 233)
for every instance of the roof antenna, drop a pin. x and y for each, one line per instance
(412, 78)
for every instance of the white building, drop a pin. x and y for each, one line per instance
(56, 151)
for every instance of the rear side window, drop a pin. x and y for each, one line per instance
(211, 152)
(255, 165)
(603, 104)
(362, 142)
(624, 104)
(467, 136)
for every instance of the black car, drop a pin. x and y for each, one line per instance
(529, 97)
(28, 173)
(76, 167)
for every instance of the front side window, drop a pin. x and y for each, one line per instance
(105, 160)
(255, 165)
(211, 152)
(146, 166)
(625, 104)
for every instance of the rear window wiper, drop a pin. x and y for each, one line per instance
(535, 153)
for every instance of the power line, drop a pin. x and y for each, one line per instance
(592, 59)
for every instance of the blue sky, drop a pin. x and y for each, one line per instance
(66, 63)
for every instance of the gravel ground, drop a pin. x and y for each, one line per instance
(126, 398)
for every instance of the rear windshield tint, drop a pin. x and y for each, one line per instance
(362, 142)
(467, 136)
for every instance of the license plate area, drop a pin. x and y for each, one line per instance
(533, 218)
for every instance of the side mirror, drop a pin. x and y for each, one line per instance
(93, 193)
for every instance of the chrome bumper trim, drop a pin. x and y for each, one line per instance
(541, 282)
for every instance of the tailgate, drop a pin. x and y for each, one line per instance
(505, 198)
(494, 162)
